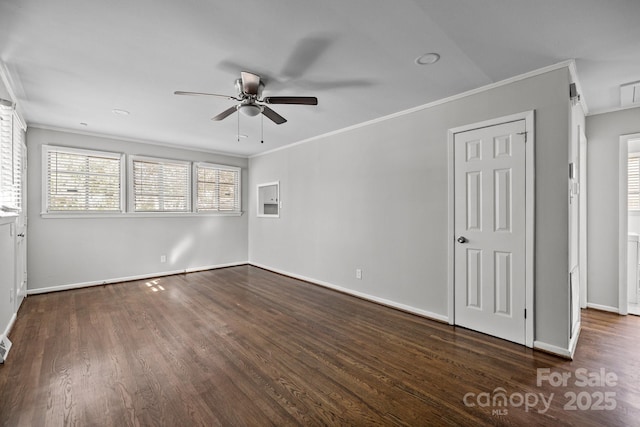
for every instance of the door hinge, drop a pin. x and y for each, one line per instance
(525, 135)
(525, 313)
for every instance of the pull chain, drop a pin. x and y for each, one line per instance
(238, 134)
(262, 129)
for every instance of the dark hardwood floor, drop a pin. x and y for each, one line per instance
(243, 346)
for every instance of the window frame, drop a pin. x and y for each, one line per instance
(45, 212)
(131, 208)
(11, 162)
(196, 195)
(127, 190)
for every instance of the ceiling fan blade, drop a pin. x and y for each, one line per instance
(275, 117)
(226, 113)
(180, 92)
(250, 83)
(300, 100)
(305, 54)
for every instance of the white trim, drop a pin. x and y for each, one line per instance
(574, 79)
(80, 215)
(46, 149)
(613, 110)
(135, 140)
(7, 217)
(563, 64)
(267, 184)
(603, 308)
(623, 154)
(568, 352)
(194, 187)
(371, 298)
(529, 118)
(130, 278)
(573, 342)
(131, 190)
(9, 84)
(9, 327)
(534, 73)
(550, 348)
(584, 236)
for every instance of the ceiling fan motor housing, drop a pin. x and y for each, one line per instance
(243, 95)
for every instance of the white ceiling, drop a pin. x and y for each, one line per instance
(73, 61)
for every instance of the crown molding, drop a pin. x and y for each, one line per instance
(564, 64)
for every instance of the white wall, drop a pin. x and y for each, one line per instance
(603, 134)
(63, 252)
(375, 198)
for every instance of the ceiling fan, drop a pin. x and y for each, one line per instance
(249, 88)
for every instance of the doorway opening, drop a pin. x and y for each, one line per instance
(629, 225)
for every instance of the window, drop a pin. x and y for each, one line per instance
(19, 153)
(11, 155)
(633, 180)
(217, 188)
(6, 158)
(82, 180)
(160, 185)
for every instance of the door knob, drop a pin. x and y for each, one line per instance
(462, 239)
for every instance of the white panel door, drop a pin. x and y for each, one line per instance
(489, 225)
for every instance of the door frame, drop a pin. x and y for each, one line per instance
(529, 118)
(623, 229)
(583, 197)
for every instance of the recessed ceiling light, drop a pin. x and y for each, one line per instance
(120, 112)
(428, 58)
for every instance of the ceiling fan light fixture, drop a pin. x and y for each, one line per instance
(428, 58)
(250, 110)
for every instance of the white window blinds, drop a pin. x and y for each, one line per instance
(160, 185)
(6, 158)
(19, 159)
(217, 188)
(633, 180)
(83, 180)
(11, 159)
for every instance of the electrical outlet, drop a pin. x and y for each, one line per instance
(163, 258)
(358, 273)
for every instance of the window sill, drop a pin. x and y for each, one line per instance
(77, 215)
(7, 217)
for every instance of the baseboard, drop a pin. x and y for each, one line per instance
(550, 348)
(382, 301)
(573, 342)
(7, 330)
(603, 308)
(129, 278)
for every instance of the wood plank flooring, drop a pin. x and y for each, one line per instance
(243, 346)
